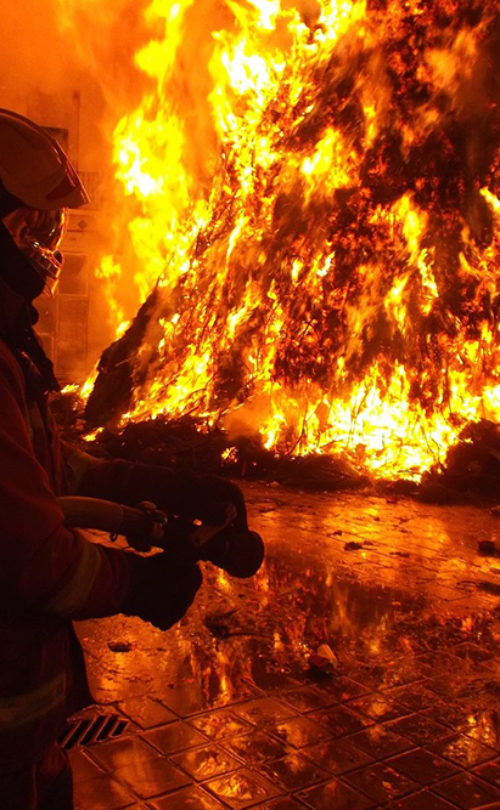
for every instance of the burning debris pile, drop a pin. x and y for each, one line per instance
(335, 290)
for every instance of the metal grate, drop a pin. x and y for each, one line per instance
(92, 728)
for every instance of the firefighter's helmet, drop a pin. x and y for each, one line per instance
(37, 184)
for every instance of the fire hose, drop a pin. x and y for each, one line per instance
(239, 552)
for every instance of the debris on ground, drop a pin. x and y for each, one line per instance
(120, 646)
(487, 548)
(323, 661)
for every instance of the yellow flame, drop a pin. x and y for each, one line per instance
(237, 233)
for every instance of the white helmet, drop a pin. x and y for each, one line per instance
(37, 182)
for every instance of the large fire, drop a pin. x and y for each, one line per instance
(321, 227)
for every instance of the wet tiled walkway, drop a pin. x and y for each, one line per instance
(224, 711)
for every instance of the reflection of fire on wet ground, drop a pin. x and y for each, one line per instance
(412, 614)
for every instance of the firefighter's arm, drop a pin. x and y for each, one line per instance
(185, 499)
(189, 495)
(44, 567)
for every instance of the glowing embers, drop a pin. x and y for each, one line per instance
(328, 257)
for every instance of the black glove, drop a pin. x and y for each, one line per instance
(161, 589)
(240, 553)
(190, 497)
(206, 497)
(185, 498)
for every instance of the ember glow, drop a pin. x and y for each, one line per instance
(327, 264)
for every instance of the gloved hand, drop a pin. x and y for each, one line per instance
(234, 548)
(203, 497)
(161, 589)
(240, 553)
(184, 499)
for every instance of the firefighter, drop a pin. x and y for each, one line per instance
(50, 575)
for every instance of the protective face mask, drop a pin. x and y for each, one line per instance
(37, 235)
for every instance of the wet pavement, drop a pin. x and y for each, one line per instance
(224, 710)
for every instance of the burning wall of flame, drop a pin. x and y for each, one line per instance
(314, 190)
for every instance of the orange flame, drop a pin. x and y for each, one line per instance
(324, 243)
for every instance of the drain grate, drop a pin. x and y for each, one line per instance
(92, 729)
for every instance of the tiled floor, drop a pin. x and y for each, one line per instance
(224, 711)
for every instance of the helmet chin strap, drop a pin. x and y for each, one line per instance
(22, 279)
(16, 270)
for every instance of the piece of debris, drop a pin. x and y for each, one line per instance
(326, 651)
(353, 546)
(120, 646)
(487, 548)
(323, 661)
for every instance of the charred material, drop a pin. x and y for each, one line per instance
(472, 467)
(471, 471)
(113, 387)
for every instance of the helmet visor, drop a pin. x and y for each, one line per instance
(37, 234)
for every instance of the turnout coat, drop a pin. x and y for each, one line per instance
(49, 575)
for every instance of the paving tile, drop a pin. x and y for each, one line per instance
(190, 698)
(366, 678)
(184, 700)
(337, 756)
(413, 696)
(203, 763)
(422, 766)
(458, 715)
(467, 791)
(379, 742)
(463, 750)
(115, 754)
(241, 789)
(269, 681)
(338, 689)
(476, 721)
(174, 737)
(335, 795)
(379, 706)
(298, 731)
(151, 778)
(445, 688)
(219, 724)
(423, 800)
(490, 771)
(305, 699)
(487, 731)
(263, 711)
(102, 793)
(190, 798)
(283, 803)
(294, 772)
(82, 766)
(419, 729)
(340, 720)
(380, 782)
(255, 748)
(147, 712)
(396, 673)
